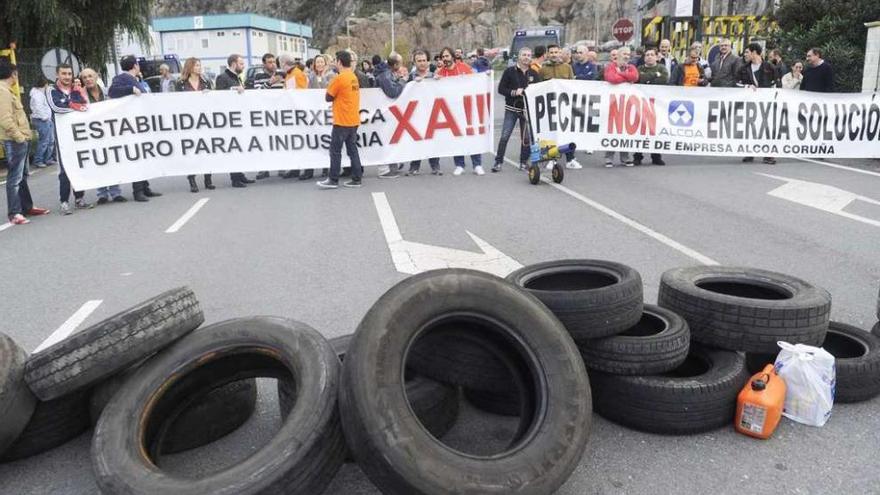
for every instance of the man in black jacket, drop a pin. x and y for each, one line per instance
(513, 83)
(230, 79)
(757, 73)
(818, 76)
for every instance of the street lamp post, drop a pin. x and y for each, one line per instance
(392, 25)
(348, 31)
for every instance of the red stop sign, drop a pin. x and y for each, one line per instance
(623, 30)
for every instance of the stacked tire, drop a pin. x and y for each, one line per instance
(644, 371)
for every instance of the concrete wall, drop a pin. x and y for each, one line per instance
(871, 80)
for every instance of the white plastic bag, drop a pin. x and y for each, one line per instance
(809, 378)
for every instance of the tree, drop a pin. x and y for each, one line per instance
(85, 27)
(835, 26)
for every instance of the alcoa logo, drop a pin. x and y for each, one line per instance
(681, 113)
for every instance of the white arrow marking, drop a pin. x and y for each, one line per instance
(821, 196)
(413, 257)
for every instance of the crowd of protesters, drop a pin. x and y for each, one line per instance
(651, 65)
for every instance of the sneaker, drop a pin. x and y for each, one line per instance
(35, 212)
(153, 194)
(328, 184)
(39, 165)
(353, 183)
(658, 161)
(390, 174)
(65, 208)
(436, 171)
(637, 163)
(458, 171)
(119, 199)
(608, 163)
(19, 219)
(574, 165)
(81, 204)
(629, 163)
(523, 166)
(262, 175)
(748, 159)
(496, 168)
(51, 162)
(479, 170)
(770, 160)
(412, 172)
(103, 200)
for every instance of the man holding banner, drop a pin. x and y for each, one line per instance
(344, 93)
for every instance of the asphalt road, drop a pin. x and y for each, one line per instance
(287, 248)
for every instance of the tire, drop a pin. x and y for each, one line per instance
(218, 413)
(558, 173)
(435, 404)
(592, 298)
(88, 357)
(658, 343)
(303, 456)
(502, 402)
(405, 458)
(746, 309)
(17, 403)
(456, 355)
(856, 362)
(534, 174)
(698, 396)
(53, 423)
(756, 362)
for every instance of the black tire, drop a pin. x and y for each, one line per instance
(700, 395)
(746, 309)
(53, 423)
(658, 343)
(406, 459)
(303, 456)
(756, 361)
(558, 173)
(435, 404)
(856, 362)
(592, 298)
(501, 402)
(220, 412)
(456, 355)
(88, 357)
(17, 403)
(534, 174)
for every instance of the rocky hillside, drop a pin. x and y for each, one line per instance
(434, 24)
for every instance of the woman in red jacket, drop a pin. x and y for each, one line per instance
(620, 71)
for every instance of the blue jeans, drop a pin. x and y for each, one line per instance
(109, 192)
(417, 164)
(46, 143)
(476, 160)
(348, 136)
(510, 120)
(18, 195)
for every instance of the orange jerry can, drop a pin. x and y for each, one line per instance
(759, 404)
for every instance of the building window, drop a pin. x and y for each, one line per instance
(261, 34)
(205, 43)
(221, 33)
(236, 33)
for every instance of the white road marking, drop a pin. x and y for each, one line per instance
(187, 216)
(5, 226)
(691, 253)
(823, 197)
(70, 325)
(842, 167)
(413, 257)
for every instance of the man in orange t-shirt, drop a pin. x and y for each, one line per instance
(344, 92)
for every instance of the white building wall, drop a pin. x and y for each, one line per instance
(871, 78)
(214, 46)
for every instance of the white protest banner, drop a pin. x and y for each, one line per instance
(154, 135)
(705, 121)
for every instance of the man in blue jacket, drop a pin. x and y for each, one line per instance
(584, 68)
(126, 84)
(63, 98)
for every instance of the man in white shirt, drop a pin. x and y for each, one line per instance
(41, 116)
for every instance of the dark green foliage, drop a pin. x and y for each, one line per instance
(836, 26)
(86, 27)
